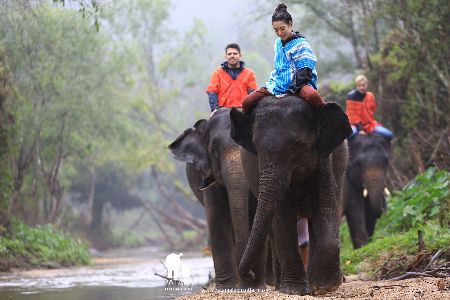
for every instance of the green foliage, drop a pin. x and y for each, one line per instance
(336, 91)
(89, 9)
(425, 200)
(371, 256)
(424, 205)
(40, 246)
(7, 129)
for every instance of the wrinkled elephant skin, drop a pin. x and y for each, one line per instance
(294, 160)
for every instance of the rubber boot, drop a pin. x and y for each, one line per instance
(312, 96)
(303, 249)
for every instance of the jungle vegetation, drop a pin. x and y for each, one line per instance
(91, 95)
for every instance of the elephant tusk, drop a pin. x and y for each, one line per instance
(365, 193)
(387, 192)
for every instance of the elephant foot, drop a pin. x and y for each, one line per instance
(300, 289)
(256, 285)
(319, 286)
(226, 286)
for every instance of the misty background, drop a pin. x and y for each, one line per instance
(92, 92)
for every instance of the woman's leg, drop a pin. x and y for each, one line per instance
(253, 98)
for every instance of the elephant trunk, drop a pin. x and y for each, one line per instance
(238, 195)
(273, 184)
(375, 187)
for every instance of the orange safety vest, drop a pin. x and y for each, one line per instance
(231, 92)
(361, 112)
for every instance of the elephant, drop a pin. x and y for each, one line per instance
(294, 158)
(366, 173)
(209, 152)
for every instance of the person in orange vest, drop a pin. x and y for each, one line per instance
(231, 82)
(360, 109)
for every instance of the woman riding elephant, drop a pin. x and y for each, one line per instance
(292, 173)
(209, 152)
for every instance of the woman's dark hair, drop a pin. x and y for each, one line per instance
(281, 14)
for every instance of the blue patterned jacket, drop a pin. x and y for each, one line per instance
(290, 58)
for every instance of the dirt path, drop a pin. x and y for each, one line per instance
(410, 289)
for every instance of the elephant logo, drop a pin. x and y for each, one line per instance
(176, 270)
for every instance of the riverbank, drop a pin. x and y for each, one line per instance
(24, 247)
(354, 288)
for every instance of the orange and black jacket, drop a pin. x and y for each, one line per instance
(360, 109)
(228, 87)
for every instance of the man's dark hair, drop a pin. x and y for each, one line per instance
(281, 14)
(233, 46)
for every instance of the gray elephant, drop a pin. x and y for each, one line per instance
(364, 186)
(209, 152)
(288, 164)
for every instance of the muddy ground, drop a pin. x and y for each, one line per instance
(354, 288)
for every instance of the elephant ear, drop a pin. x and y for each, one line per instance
(188, 146)
(334, 128)
(241, 129)
(200, 126)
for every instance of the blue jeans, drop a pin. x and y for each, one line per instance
(378, 129)
(383, 131)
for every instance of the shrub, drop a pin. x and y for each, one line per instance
(40, 246)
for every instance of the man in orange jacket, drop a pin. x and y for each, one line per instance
(361, 107)
(231, 82)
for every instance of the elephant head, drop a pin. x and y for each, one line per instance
(290, 138)
(190, 148)
(209, 148)
(366, 175)
(369, 159)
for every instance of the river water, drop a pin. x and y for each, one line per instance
(114, 275)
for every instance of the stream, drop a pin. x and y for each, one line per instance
(113, 275)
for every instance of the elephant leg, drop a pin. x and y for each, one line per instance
(276, 269)
(324, 274)
(293, 277)
(270, 276)
(221, 237)
(356, 217)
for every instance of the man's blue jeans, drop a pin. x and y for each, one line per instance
(378, 129)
